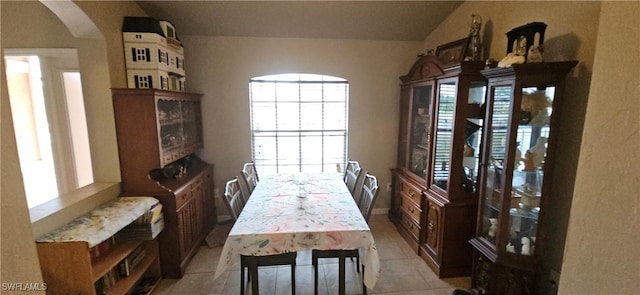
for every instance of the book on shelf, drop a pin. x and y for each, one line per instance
(148, 231)
(107, 281)
(127, 265)
(151, 215)
(144, 286)
(102, 248)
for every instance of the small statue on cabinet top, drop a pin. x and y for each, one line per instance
(510, 59)
(535, 54)
(475, 47)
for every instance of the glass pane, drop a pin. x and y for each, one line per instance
(473, 135)
(311, 92)
(420, 118)
(495, 149)
(528, 175)
(444, 132)
(335, 116)
(311, 116)
(288, 116)
(263, 116)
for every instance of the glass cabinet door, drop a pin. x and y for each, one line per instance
(473, 137)
(169, 114)
(495, 152)
(527, 179)
(445, 112)
(420, 122)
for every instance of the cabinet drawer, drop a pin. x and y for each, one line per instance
(411, 191)
(195, 184)
(182, 198)
(410, 208)
(410, 226)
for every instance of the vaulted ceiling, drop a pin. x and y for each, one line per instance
(361, 20)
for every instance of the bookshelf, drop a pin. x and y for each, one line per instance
(74, 261)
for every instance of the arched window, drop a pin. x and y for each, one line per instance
(298, 122)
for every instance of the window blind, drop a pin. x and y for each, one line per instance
(298, 123)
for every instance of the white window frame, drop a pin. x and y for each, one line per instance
(277, 102)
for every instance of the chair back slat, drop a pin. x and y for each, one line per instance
(368, 195)
(250, 177)
(234, 198)
(352, 175)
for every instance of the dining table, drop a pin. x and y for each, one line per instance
(290, 212)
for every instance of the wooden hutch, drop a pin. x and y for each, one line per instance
(158, 132)
(434, 198)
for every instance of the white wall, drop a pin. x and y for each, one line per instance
(602, 254)
(220, 68)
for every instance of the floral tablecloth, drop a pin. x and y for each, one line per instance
(287, 213)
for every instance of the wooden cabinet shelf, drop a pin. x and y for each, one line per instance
(150, 261)
(112, 258)
(73, 262)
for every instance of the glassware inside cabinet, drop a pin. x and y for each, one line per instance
(169, 111)
(445, 113)
(528, 175)
(420, 120)
(495, 151)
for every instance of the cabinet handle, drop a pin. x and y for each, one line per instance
(430, 226)
(411, 194)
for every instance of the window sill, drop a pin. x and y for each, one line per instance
(57, 212)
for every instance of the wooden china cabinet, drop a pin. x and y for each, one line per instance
(519, 144)
(158, 132)
(434, 199)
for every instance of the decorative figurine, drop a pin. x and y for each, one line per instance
(536, 153)
(510, 59)
(535, 108)
(535, 54)
(493, 228)
(528, 162)
(475, 47)
(520, 39)
(526, 246)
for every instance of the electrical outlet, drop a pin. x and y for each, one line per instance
(388, 186)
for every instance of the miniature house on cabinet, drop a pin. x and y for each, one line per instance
(154, 55)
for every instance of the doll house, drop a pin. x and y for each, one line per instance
(154, 54)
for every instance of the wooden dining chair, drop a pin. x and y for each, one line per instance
(250, 177)
(234, 198)
(235, 202)
(352, 176)
(368, 193)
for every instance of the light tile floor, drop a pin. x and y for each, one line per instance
(402, 273)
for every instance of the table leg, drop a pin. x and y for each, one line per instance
(253, 274)
(341, 273)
